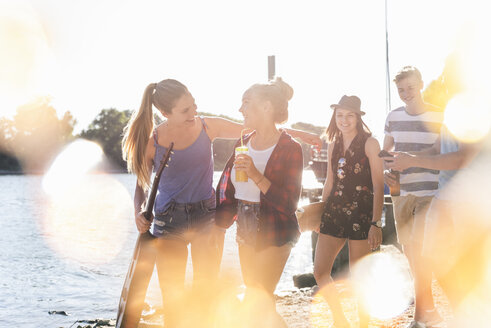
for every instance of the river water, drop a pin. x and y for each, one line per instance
(69, 250)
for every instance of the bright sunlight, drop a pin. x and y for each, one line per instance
(86, 218)
(384, 283)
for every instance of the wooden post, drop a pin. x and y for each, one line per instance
(271, 68)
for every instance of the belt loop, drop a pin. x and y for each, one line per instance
(172, 205)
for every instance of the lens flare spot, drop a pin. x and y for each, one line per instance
(383, 283)
(88, 215)
(468, 117)
(71, 165)
(474, 309)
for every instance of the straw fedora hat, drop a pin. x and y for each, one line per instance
(351, 103)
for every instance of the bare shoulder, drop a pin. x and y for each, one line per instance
(212, 126)
(159, 129)
(372, 146)
(210, 120)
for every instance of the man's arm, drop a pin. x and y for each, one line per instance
(449, 161)
(389, 178)
(307, 137)
(388, 143)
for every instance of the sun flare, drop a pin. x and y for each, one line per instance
(468, 117)
(383, 282)
(87, 214)
(71, 166)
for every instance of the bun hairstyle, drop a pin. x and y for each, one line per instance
(278, 92)
(163, 96)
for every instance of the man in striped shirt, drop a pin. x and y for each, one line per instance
(414, 127)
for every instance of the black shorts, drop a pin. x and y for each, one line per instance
(353, 226)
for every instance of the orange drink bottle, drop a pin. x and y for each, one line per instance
(396, 190)
(241, 176)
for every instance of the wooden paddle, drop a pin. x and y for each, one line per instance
(142, 264)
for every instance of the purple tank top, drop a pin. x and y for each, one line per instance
(189, 175)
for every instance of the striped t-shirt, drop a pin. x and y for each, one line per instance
(415, 133)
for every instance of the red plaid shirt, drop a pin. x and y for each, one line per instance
(277, 220)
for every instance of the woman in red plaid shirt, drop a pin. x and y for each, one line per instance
(264, 206)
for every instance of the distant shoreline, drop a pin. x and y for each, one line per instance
(5, 172)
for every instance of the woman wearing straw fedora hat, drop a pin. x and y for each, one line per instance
(353, 192)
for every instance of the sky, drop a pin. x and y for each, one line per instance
(95, 54)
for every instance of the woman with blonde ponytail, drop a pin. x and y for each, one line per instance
(136, 138)
(265, 205)
(185, 203)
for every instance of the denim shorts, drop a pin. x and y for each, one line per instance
(247, 223)
(183, 221)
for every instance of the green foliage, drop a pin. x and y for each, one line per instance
(107, 130)
(34, 136)
(9, 163)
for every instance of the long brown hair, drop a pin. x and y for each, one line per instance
(163, 96)
(332, 130)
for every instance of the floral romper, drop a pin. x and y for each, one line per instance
(349, 207)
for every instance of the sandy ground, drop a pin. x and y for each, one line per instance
(302, 308)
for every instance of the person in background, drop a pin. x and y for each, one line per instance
(264, 206)
(185, 203)
(414, 127)
(456, 229)
(354, 195)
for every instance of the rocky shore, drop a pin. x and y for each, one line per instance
(300, 309)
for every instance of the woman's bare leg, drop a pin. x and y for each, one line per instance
(357, 250)
(171, 267)
(261, 273)
(328, 247)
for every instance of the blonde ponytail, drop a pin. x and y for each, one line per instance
(135, 138)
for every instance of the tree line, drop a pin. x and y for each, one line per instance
(35, 135)
(30, 141)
